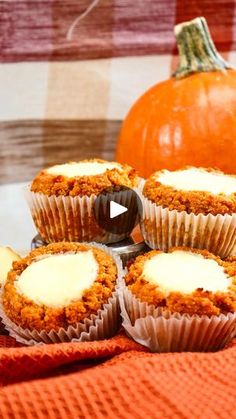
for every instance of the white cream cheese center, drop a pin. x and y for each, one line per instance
(185, 272)
(194, 179)
(7, 257)
(57, 280)
(82, 168)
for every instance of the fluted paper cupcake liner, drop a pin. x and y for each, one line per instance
(163, 228)
(101, 326)
(66, 218)
(162, 331)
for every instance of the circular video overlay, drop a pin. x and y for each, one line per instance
(117, 210)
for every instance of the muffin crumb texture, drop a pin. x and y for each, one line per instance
(52, 184)
(200, 301)
(197, 202)
(29, 315)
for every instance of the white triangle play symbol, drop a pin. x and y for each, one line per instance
(116, 209)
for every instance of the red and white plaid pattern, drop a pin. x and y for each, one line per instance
(87, 61)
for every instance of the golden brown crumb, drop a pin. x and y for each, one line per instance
(29, 315)
(197, 202)
(231, 258)
(198, 302)
(57, 185)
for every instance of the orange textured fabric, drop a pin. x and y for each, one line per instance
(116, 378)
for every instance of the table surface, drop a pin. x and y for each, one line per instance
(16, 225)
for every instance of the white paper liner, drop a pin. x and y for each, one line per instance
(101, 326)
(162, 331)
(163, 229)
(66, 218)
(234, 251)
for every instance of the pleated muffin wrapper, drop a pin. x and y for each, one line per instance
(97, 327)
(161, 331)
(163, 228)
(66, 218)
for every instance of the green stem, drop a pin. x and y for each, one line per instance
(197, 51)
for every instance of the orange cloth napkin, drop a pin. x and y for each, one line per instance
(115, 378)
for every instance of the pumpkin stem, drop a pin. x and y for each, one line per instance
(196, 49)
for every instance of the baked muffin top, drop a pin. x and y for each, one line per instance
(59, 285)
(185, 280)
(84, 177)
(192, 189)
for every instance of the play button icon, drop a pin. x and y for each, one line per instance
(117, 210)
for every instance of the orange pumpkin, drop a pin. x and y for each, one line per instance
(189, 119)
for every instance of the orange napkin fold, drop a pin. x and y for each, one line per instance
(115, 378)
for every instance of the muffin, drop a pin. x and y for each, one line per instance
(59, 291)
(181, 300)
(192, 207)
(62, 197)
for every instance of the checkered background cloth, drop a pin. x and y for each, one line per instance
(71, 69)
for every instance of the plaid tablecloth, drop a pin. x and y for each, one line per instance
(71, 69)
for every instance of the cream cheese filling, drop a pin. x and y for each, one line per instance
(57, 280)
(82, 168)
(185, 272)
(7, 257)
(194, 179)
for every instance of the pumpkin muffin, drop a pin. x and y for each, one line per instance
(183, 300)
(187, 281)
(58, 286)
(61, 199)
(193, 207)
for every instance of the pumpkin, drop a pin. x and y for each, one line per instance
(189, 119)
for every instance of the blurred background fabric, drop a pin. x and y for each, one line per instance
(70, 70)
